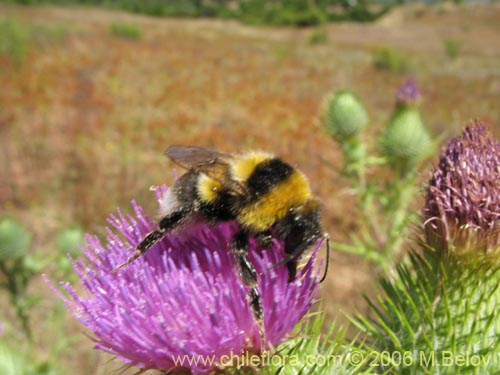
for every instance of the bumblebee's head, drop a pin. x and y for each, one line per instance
(299, 229)
(310, 207)
(306, 222)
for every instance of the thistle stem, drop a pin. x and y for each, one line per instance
(16, 282)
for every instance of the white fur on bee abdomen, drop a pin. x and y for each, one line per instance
(168, 203)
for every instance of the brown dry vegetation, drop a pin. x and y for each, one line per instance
(84, 120)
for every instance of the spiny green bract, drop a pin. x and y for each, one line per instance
(438, 316)
(314, 353)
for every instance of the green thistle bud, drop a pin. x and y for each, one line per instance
(405, 140)
(69, 240)
(14, 239)
(344, 115)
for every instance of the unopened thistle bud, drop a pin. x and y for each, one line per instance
(70, 240)
(14, 239)
(344, 115)
(405, 140)
(463, 197)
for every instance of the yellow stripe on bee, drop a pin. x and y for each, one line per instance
(243, 166)
(264, 212)
(208, 188)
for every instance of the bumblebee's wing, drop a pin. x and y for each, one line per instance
(191, 157)
(212, 163)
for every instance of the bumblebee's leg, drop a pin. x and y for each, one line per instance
(291, 260)
(291, 265)
(166, 224)
(264, 239)
(249, 277)
(292, 255)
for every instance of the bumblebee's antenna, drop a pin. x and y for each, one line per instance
(327, 258)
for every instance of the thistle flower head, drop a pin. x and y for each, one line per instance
(463, 196)
(408, 93)
(182, 306)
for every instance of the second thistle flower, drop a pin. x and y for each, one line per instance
(463, 197)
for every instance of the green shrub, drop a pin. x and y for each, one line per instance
(391, 59)
(452, 48)
(288, 13)
(15, 39)
(299, 13)
(319, 36)
(125, 30)
(299, 17)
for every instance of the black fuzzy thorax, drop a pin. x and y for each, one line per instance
(222, 209)
(265, 177)
(186, 192)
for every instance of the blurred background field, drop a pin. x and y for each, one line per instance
(90, 98)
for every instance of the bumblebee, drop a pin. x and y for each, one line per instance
(266, 197)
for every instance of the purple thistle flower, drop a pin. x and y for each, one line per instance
(183, 297)
(463, 196)
(408, 93)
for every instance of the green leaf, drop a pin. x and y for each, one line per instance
(11, 362)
